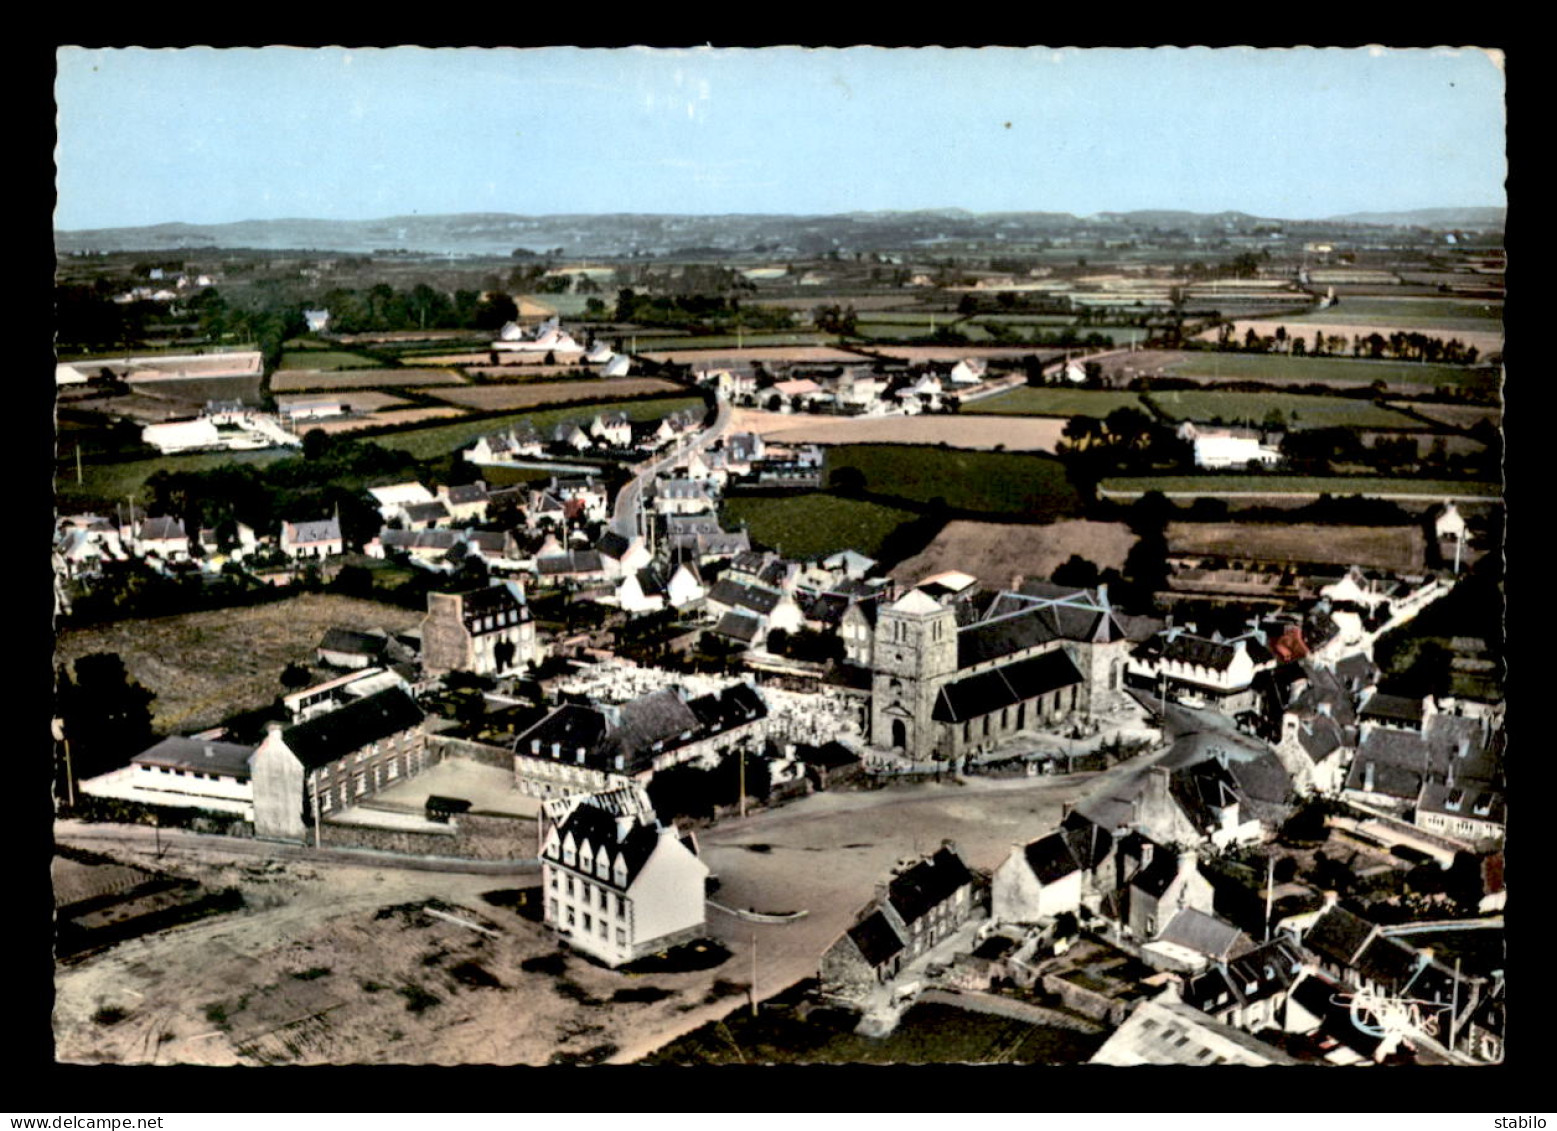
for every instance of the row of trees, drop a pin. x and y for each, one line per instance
(1400, 345)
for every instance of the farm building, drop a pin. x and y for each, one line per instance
(619, 887)
(183, 436)
(1228, 447)
(183, 773)
(392, 499)
(333, 761)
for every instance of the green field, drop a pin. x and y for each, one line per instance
(657, 344)
(1327, 370)
(809, 526)
(325, 359)
(1297, 410)
(1007, 483)
(117, 482)
(1026, 400)
(441, 439)
(1444, 314)
(568, 306)
(1335, 485)
(928, 1034)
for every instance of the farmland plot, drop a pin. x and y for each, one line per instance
(1017, 434)
(496, 398)
(810, 526)
(295, 380)
(1297, 411)
(996, 552)
(1053, 401)
(1399, 548)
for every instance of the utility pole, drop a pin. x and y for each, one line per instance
(754, 973)
(742, 801)
(1270, 892)
(313, 781)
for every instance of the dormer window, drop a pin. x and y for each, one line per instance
(1483, 806)
(603, 864)
(586, 860)
(569, 854)
(1453, 802)
(619, 874)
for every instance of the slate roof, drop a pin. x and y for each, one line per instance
(573, 561)
(927, 885)
(755, 598)
(320, 530)
(1201, 933)
(599, 829)
(199, 755)
(1171, 1032)
(1050, 858)
(1338, 935)
(1158, 876)
(493, 601)
(568, 727)
(1471, 801)
(660, 718)
(1387, 962)
(323, 739)
(738, 626)
(877, 939)
(1013, 625)
(1393, 709)
(981, 694)
(345, 640)
(467, 493)
(434, 511)
(829, 755)
(612, 545)
(1268, 969)
(163, 528)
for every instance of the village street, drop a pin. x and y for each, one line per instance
(624, 512)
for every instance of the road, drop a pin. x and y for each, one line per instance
(624, 513)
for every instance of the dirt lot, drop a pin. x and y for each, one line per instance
(206, 666)
(342, 964)
(995, 552)
(1400, 548)
(292, 380)
(1017, 434)
(482, 358)
(496, 398)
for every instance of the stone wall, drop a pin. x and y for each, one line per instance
(441, 746)
(470, 837)
(1008, 1007)
(1103, 1008)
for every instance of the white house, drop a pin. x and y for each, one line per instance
(969, 371)
(1450, 524)
(619, 887)
(685, 586)
(182, 436)
(683, 496)
(395, 497)
(612, 427)
(163, 536)
(317, 539)
(1229, 447)
(620, 365)
(318, 320)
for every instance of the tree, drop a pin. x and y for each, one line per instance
(106, 714)
(1077, 571)
(296, 676)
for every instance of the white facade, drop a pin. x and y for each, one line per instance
(1212, 450)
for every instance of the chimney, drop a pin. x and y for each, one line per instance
(1188, 861)
(624, 825)
(273, 728)
(1331, 899)
(1367, 777)
(620, 759)
(1102, 595)
(1147, 848)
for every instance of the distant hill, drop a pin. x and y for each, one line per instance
(620, 234)
(1481, 219)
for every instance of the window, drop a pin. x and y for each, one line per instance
(603, 929)
(553, 879)
(589, 923)
(570, 887)
(392, 771)
(361, 784)
(551, 910)
(621, 937)
(570, 916)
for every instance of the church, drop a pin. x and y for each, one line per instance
(1038, 655)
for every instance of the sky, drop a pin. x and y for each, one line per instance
(205, 135)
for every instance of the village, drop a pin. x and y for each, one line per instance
(1251, 850)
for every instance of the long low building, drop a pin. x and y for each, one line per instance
(183, 773)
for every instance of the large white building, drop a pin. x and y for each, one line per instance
(619, 886)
